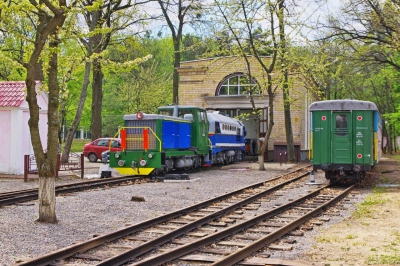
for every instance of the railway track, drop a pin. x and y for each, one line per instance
(13, 197)
(201, 225)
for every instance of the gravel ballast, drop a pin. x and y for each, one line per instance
(84, 215)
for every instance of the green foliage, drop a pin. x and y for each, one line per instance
(143, 85)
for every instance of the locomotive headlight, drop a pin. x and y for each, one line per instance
(142, 163)
(121, 162)
(117, 155)
(150, 155)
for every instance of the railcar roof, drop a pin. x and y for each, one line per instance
(152, 117)
(342, 105)
(181, 106)
(216, 117)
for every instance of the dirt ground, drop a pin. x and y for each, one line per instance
(371, 236)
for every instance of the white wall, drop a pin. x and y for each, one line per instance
(15, 135)
(5, 143)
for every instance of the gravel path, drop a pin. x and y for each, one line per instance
(86, 214)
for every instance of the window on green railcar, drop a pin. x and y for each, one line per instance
(341, 125)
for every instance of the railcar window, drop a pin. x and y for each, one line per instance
(183, 112)
(166, 112)
(202, 116)
(341, 125)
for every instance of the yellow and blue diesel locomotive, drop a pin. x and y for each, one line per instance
(177, 137)
(345, 138)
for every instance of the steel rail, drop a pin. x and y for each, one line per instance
(149, 245)
(240, 255)
(95, 242)
(268, 239)
(8, 198)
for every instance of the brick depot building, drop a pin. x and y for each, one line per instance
(218, 84)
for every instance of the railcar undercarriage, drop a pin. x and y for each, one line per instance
(339, 176)
(227, 157)
(178, 163)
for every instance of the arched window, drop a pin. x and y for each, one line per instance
(237, 84)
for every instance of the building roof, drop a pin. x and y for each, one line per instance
(12, 93)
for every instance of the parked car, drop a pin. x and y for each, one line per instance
(94, 149)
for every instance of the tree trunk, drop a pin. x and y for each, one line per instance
(78, 115)
(47, 196)
(389, 140)
(48, 168)
(97, 99)
(264, 146)
(46, 162)
(285, 83)
(288, 122)
(175, 78)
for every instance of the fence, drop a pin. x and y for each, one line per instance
(75, 162)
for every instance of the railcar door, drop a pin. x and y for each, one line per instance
(341, 138)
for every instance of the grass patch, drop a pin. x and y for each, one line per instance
(366, 208)
(351, 237)
(385, 180)
(396, 157)
(384, 259)
(362, 244)
(77, 145)
(325, 239)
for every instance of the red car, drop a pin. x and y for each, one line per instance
(94, 149)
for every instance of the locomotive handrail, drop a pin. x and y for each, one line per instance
(155, 135)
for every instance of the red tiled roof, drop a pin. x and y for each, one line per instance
(12, 93)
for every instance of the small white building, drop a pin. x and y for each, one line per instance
(15, 136)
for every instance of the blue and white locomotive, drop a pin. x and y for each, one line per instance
(227, 136)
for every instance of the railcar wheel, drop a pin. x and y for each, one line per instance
(92, 157)
(328, 175)
(360, 177)
(333, 181)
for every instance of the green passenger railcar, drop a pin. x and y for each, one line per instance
(345, 138)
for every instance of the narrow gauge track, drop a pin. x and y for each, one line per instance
(13, 197)
(185, 221)
(252, 236)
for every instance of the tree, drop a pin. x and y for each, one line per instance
(373, 23)
(184, 10)
(283, 57)
(102, 20)
(142, 86)
(245, 28)
(47, 18)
